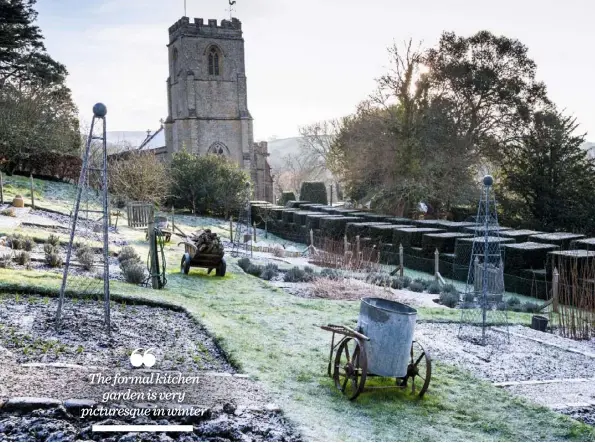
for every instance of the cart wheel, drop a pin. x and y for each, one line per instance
(185, 265)
(351, 367)
(419, 370)
(220, 271)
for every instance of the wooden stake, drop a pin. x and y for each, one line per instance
(311, 237)
(231, 229)
(153, 255)
(436, 264)
(32, 194)
(555, 286)
(173, 221)
(254, 232)
(401, 264)
(1, 190)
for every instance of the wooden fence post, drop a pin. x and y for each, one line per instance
(555, 289)
(311, 237)
(230, 228)
(153, 255)
(437, 264)
(32, 189)
(253, 231)
(401, 264)
(173, 219)
(1, 190)
(357, 245)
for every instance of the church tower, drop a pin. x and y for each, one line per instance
(206, 91)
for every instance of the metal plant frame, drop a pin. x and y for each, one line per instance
(243, 226)
(94, 163)
(482, 302)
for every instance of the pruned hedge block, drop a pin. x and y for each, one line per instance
(360, 228)
(288, 215)
(334, 227)
(562, 239)
(296, 203)
(443, 241)
(454, 226)
(583, 243)
(526, 255)
(480, 230)
(384, 233)
(285, 197)
(399, 221)
(388, 254)
(411, 237)
(579, 261)
(357, 214)
(519, 235)
(313, 220)
(277, 212)
(314, 192)
(465, 246)
(428, 224)
(299, 217)
(371, 217)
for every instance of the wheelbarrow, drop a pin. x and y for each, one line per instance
(193, 258)
(381, 345)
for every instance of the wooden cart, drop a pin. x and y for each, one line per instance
(193, 258)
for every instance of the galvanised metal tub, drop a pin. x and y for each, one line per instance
(390, 326)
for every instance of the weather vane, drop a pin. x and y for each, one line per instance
(231, 3)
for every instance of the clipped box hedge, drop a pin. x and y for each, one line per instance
(371, 217)
(296, 204)
(443, 241)
(313, 220)
(562, 239)
(575, 260)
(314, 192)
(454, 226)
(286, 197)
(361, 228)
(384, 233)
(277, 212)
(480, 230)
(287, 216)
(519, 235)
(464, 248)
(584, 243)
(411, 237)
(388, 254)
(399, 221)
(526, 255)
(428, 224)
(299, 217)
(334, 227)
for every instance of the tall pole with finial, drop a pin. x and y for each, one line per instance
(231, 3)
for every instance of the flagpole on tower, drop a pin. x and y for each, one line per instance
(184, 8)
(231, 3)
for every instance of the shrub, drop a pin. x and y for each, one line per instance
(416, 286)
(9, 212)
(133, 271)
(50, 249)
(254, 270)
(331, 274)
(406, 281)
(434, 288)
(513, 301)
(53, 240)
(469, 297)
(243, 263)
(502, 306)
(53, 259)
(285, 197)
(532, 308)
(28, 244)
(450, 288)
(379, 279)
(308, 269)
(16, 241)
(396, 283)
(449, 299)
(278, 251)
(297, 275)
(425, 283)
(127, 253)
(314, 192)
(268, 273)
(85, 257)
(6, 260)
(23, 258)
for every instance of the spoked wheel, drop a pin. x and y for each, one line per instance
(351, 367)
(185, 264)
(419, 370)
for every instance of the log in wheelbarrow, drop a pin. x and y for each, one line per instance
(381, 345)
(193, 258)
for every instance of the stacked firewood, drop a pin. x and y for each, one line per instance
(207, 242)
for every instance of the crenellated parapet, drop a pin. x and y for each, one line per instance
(225, 29)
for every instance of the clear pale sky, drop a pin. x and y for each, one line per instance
(306, 60)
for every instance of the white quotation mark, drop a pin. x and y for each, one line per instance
(146, 358)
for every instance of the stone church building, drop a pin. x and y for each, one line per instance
(207, 98)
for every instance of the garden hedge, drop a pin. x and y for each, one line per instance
(443, 241)
(296, 204)
(452, 226)
(334, 227)
(519, 235)
(527, 255)
(383, 233)
(288, 215)
(480, 230)
(411, 237)
(361, 228)
(562, 239)
(313, 220)
(464, 248)
(314, 192)
(285, 197)
(584, 243)
(299, 217)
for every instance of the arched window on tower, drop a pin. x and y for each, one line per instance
(218, 148)
(214, 61)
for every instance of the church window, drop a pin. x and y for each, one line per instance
(214, 61)
(218, 148)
